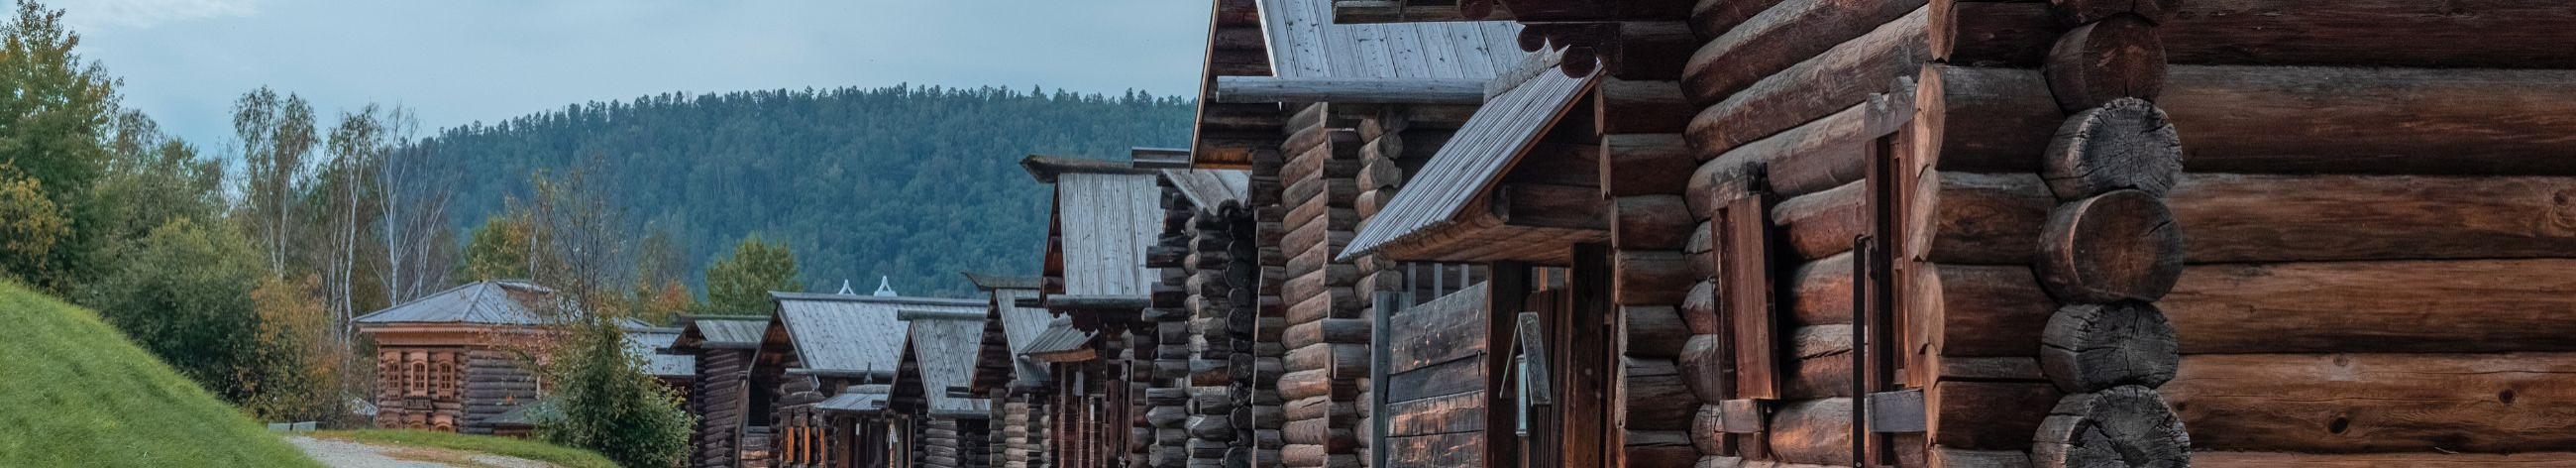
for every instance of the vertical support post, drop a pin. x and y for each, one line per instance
(1861, 323)
(1507, 287)
(1383, 305)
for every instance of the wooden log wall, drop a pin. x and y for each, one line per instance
(1218, 266)
(1320, 384)
(1645, 169)
(1260, 357)
(494, 383)
(718, 402)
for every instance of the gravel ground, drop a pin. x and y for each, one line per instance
(346, 454)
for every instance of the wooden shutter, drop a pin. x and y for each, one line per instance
(1748, 295)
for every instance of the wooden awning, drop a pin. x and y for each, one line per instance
(1299, 41)
(1470, 204)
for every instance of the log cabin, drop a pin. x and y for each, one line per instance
(1329, 118)
(823, 381)
(445, 361)
(949, 422)
(2019, 233)
(1013, 383)
(1104, 219)
(723, 347)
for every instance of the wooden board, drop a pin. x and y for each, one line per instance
(2344, 403)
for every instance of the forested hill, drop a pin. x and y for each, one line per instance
(913, 182)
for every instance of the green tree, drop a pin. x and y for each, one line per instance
(55, 109)
(30, 226)
(740, 283)
(604, 402)
(498, 249)
(183, 293)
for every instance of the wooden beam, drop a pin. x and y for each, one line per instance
(1247, 89)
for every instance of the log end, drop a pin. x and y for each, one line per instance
(2126, 144)
(2122, 245)
(2124, 426)
(2090, 347)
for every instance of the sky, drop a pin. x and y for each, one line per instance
(459, 61)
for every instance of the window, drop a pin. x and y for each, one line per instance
(444, 377)
(416, 378)
(1427, 281)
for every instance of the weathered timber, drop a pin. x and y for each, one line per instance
(1651, 277)
(1650, 222)
(1654, 331)
(1992, 34)
(1654, 396)
(1699, 306)
(2252, 218)
(1822, 154)
(1821, 365)
(1331, 330)
(1342, 361)
(2122, 245)
(1974, 219)
(2395, 33)
(2224, 459)
(1714, 18)
(1812, 431)
(1780, 37)
(2365, 402)
(2387, 306)
(1986, 415)
(2090, 347)
(1705, 366)
(2121, 426)
(2115, 58)
(1839, 78)
(2123, 144)
(1640, 107)
(1645, 164)
(2290, 119)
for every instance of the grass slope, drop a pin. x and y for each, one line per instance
(74, 392)
(504, 446)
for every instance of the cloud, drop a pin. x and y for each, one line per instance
(145, 14)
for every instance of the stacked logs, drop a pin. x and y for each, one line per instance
(1645, 168)
(1252, 365)
(1168, 344)
(1326, 335)
(2110, 248)
(1259, 359)
(942, 445)
(1211, 430)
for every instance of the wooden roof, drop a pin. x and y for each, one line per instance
(1208, 188)
(496, 302)
(1299, 39)
(1106, 222)
(646, 344)
(943, 349)
(720, 332)
(990, 282)
(1018, 327)
(1471, 164)
(1061, 342)
(845, 333)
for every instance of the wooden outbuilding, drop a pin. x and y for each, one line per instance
(1104, 218)
(1014, 384)
(723, 347)
(949, 421)
(824, 379)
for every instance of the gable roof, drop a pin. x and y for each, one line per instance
(1018, 327)
(1491, 142)
(495, 302)
(943, 350)
(721, 332)
(1061, 342)
(839, 333)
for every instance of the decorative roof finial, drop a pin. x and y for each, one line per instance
(845, 287)
(885, 286)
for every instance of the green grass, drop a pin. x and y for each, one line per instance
(74, 392)
(504, 446)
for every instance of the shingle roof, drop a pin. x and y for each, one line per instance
(944, 349)
(647, 343)
(1305, 42)
(849, 333)
(497, 302)
(724, 332)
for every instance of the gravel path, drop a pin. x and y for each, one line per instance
(346, 454)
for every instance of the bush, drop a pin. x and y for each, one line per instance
(608, 405)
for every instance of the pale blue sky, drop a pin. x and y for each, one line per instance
(459, 61)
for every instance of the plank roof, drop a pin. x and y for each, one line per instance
(495, 302)
(854, 333)
(1107, 221)
(722, 332)
(1304, 42)
(1493, 139)
(1060, 337)
(1021, 327)
(943, 350)
(867, 398)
